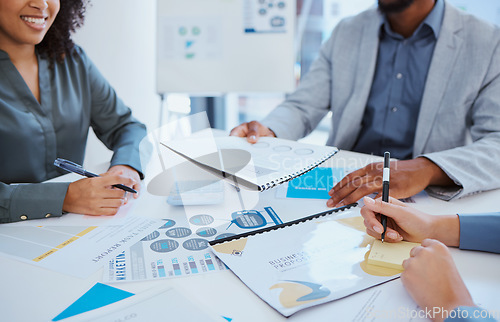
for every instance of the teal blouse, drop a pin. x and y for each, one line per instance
(74, 97)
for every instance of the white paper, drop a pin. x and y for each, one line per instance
(152, 305)
(306, 264)
(73, 250)
(386, 302)
(269, 161)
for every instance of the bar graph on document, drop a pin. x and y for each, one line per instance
(180, 247)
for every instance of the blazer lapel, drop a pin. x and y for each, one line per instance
(443, 61)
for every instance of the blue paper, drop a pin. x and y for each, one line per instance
(98, 296)
(315, 184)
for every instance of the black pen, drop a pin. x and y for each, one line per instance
(76, 168)
(385, 189)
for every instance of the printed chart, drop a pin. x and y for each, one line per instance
(73, 250)
(180, 247)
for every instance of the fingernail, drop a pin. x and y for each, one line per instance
(392, 235)
(378, 229)
(329, 203)
(369, 200)
(253, 137)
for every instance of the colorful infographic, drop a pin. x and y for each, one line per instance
(179, 247)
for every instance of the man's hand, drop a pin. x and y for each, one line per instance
(252, 131)
(408, 178)
(432, 279)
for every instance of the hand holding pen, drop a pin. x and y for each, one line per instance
(94, 196)
(78, 169)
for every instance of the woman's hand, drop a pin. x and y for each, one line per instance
(408, 223)
(128, 172)
(432, 279)
(97, 196)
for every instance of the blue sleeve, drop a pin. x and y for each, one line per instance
(480, 232)
(469, 314)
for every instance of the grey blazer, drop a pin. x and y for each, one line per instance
(459, 122)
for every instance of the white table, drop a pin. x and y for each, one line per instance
(29, 293)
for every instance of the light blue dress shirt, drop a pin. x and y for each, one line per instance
(390, 118)
(74, 97)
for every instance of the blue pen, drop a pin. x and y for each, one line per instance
(76, 168)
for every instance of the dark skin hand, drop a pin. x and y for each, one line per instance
(408, 178)
(252, 131)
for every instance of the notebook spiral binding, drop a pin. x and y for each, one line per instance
(287, 224)
(296, 174)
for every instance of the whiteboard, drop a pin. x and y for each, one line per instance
(220, 46)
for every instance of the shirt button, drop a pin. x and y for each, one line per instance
(394, 109)
(23, 217)
(399, 76)
(48, 215)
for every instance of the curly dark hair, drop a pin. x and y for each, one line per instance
(57, 42)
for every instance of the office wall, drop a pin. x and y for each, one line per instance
(219, 46)
(119, 36)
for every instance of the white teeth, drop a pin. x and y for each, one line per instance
(37, 21)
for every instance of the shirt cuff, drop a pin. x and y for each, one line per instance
(480, 232)
(469, 313)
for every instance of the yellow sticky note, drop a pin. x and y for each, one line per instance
(390, 255)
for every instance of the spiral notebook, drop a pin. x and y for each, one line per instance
(259, 166)
(306, 262)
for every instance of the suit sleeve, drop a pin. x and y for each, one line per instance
(480, 232)
(474, 167)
